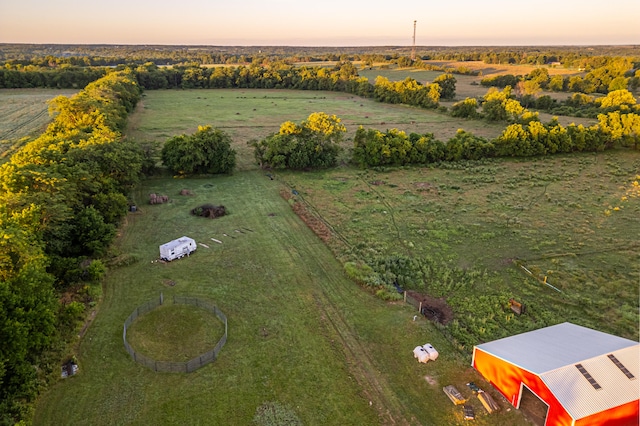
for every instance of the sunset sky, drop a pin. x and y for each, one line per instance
(321, 23)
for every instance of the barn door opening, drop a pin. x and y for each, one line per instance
(533, 407)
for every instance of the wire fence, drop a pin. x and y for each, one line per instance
(168, 366)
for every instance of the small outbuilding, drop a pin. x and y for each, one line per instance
(178, 248)
(565, 374)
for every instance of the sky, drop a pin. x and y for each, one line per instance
(321, 22)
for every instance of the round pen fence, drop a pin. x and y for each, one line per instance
(168, 366)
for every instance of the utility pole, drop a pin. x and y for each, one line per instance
(413, 48)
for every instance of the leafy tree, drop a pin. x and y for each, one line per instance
(493, 105)
(206, 151)
(545, 102)
(447, 83)
(466, 146)
(618, 83)
(619, 99)
(314, 143)
(500, 81)
(499, 106)
(623, 129)
(556, 83)
(92, 235)
(539, 76)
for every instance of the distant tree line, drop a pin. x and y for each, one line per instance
(609, 75)
(61, 197)
(114, 55)
(64, 77)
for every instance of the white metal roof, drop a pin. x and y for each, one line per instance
(553, 352)
(581, 399)
(550, 348)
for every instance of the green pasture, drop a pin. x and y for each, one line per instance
(24, 112)
(303, 337)
(399, 74)
(300, 333)
(567, 218)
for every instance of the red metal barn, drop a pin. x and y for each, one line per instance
(565, 375)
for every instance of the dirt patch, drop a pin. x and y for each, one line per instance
(433, 308)
(209, 211)
(313, 222)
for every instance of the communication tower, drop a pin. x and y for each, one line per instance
(413, 48)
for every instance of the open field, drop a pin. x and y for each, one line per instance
(304, 337)
(24, 112)
(501, 69)
(254, 114)
(300, 333)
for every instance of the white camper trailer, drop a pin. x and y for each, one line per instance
(176, 249)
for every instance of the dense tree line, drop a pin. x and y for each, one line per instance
(374, 148)
(64, 77)
(61, 197)
(504, 105)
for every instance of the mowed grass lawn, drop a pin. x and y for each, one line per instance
(301, 335)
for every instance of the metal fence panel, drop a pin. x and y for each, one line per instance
(175, 367)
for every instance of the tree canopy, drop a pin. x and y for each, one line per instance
(207, 151)
(314, 143)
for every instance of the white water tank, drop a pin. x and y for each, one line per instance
(433, 354)
(420, 353)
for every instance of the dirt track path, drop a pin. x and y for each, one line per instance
(331, 301)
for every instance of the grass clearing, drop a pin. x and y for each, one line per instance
(176, 333)
(300, 333)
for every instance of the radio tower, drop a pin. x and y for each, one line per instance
(413, 47)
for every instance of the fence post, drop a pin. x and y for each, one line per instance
(405, 297)
(420, 308)
(161, 298)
